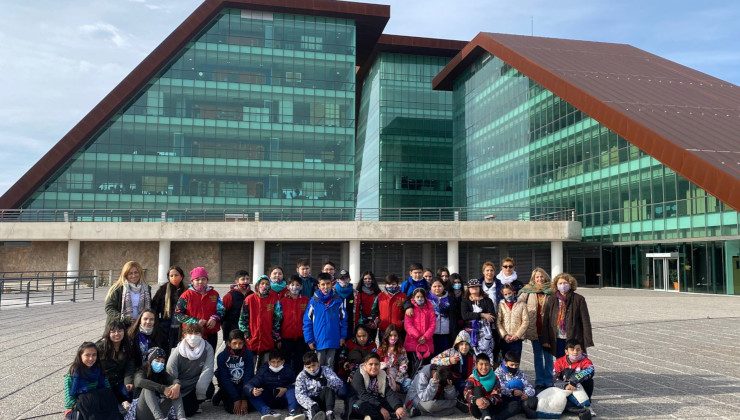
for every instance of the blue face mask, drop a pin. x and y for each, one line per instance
(457, 286)
(157, 366)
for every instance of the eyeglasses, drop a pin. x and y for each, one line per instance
(507, 266)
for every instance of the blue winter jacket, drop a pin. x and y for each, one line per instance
(324, 324)
(269, 380)
(409, 285)
(233, 370)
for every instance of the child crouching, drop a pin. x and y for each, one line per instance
(316, 388)
(517, 392)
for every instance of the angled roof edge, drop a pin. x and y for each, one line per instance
(707, 176)
(370, 20)
(412, 45)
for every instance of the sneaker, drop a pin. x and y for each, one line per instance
(329, 415)
(271, 416)
(367, 418)
(487, 418)
(593, 413)
(414, 412)
(216, 399)
(295, 415)
(126, 405)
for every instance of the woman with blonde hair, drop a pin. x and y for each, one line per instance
(129, 295)
(566, 317)
(534, 294)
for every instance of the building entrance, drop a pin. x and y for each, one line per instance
(664, 270)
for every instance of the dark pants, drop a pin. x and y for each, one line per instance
(325, 401)
(365, 409)
(267, 401)
(294, 351)
(502, 411)
(560, 350)
(120, 392)
(441, 343)
(415, 363)
(190, 404)
(514, 346)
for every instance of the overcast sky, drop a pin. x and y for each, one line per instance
(58, 59)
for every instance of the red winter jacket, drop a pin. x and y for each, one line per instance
(364, 308)
(193, 306)
(291, 327)
(260, 321)
(389, 308)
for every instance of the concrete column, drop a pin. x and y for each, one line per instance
(344, 259)
(556, 258)
(426, 256)
(258, 260)
(453, 256)
(164, 262)
(73, 260)
(354, 261)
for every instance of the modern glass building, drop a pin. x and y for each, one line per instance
(294, 107)
(518, 143)
(404, 132)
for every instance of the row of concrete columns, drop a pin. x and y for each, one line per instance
(350, 258)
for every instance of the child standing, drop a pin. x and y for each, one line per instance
(292, 343)
(260, 320)
(415, 279)
(344, 289)
(233, 302)
(419, 331)
(316, 388)
(86, 387)
(277, 281)
(444, 317)
(512, 321)
(325, 321)
(164, 303)
(303, 269)
(367, 292)
(354, 351)
(480, 315)
(233, 369)
(388, 308)
(202, 305)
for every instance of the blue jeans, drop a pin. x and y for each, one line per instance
(543, 365)
(267, 401)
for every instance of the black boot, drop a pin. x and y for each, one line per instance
(530, 407)
(584, 414)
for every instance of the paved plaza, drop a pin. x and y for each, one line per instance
(658, 355)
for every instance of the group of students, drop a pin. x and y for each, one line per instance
(431, 344)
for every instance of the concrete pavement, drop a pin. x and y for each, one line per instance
(658, 355)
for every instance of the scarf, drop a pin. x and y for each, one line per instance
(191, 353)
(562, 308)
(488, 381)
(535, 288)
(126, 305)
(506, 279)
(277, 287)
(324, 298)
(83, 379)
(367, 290)
(344, 291)
(509, 304)
(144, 342)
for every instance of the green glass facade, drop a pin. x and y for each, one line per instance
(258, 110)
(404, 151)
(517, 144)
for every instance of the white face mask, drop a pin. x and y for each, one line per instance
(146, 331)
(276, 369)
(312, 372)
(296, 290)
(420, 301)
(564, 287)
(193, 340)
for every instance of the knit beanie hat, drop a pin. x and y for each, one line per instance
(155, 353)
(198, 272)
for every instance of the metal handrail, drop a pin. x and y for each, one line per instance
(269, 214)
(20, 292)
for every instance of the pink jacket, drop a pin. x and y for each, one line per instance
(420, 325)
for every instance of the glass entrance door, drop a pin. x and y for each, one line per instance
(665, 271)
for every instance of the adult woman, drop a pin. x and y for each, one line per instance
(164, 303)
(535, 294)
(479, 313)
(191, 367)
(144, 335)
(508, 275)
(565, 317)
(117, 359)
(367, 293)
(129, 295)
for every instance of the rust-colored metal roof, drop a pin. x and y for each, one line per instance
(370, 20)
(688, 120)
